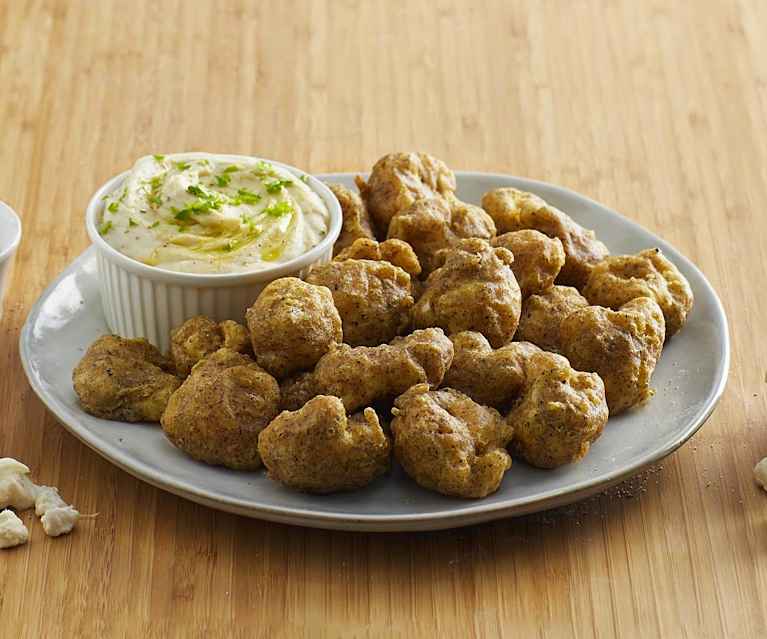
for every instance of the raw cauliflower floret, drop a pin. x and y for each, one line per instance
(57, 517)
(13, 532)
(16, 489)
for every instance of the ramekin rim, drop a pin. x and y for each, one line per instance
(290, 267)
(9, 250)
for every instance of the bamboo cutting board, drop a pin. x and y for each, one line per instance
(658, 110)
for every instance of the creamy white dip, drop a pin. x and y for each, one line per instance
(203, 213)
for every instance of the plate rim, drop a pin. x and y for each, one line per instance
(474, 513)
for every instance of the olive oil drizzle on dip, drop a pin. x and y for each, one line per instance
(203, 213)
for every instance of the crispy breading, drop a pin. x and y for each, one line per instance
(491, 377)
(200, 336)
(124, 379)
(318, 449)
(620, 278)
(393, 251)
(448, 443)
(292, 324)
(560, 414)
(221, 408)
(362, 375)
(399, 179)
(356, 220)
(373, 298)
(543, 313)
(622, 346)
(474, 289)
(537, 259)
(514, 210)
(439, 223)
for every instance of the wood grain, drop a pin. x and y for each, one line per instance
(657, 109)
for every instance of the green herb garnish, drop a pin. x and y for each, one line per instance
(203, 206)
(279, 209)
(305, 178)
(245, 196)
(158, 158)
(231, 168)
(105, 228)
(275, 186)
(155, 199)
(223, 180)
(112, 208)
(182, 166)
(154, 225)
(132, 222)
(264, 169)
(193, 189)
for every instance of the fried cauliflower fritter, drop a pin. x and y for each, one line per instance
(124, 379)
(393, 251)
(292, 324)
(622, 346)
(372, 298)
(362, 375)
(439, 223)
(514, 210)
(448, 443)
(621, 278)
(537, 259)
(543, 313)
(399, 179)
(200, 336)
(561, 412)
(220, 409)
(296, 390)
(491, 377)
(356, 220)
(317, 449)
(474, 289)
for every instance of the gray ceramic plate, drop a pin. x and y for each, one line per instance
(689, 380)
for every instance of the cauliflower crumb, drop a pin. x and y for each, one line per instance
(57, 517)
(16, 489)
(760, 473)
(13, 532)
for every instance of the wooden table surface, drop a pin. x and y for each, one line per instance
(658, 109)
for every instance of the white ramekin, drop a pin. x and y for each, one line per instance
(10, 236)
(146, 301)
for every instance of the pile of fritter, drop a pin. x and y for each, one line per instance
(455, 336)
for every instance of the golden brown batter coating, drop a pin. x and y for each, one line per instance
(292, 324)
(491, 377)
(356, 221)
(399, 179)
(448, 443)
(561, 412)
(543, 313)
(537, 259)
(317, 449)
(622, 346)
(432, 225)
(362, 375)
(200, 336)
(475, 290)
(124, 379)
(372, 298)
(393, 251)
(221, 408)
(296, 390)
(514, 210)
(621, 278)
